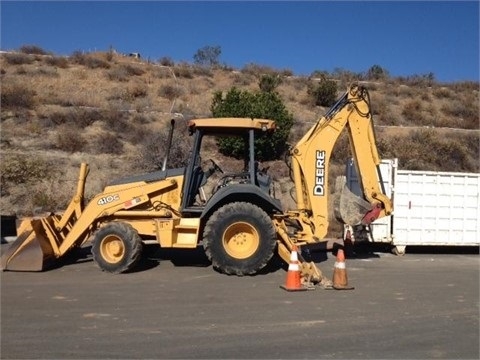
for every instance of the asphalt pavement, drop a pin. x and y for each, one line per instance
(424, 305)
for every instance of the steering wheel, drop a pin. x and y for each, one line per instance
(216, 167)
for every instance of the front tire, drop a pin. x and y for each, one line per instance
(239, 239)
(117, 247)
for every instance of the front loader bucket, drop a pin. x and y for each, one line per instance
(31, 251)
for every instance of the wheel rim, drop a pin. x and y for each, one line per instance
(241, 240)
(112, 249)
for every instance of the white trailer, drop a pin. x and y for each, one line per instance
(430, 208)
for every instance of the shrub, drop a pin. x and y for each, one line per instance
(154, 148)
(442, 93)
(17, 96)
(202, 71)
(20, 70)
(269, 83)
(412, 110)
(464, 113)
(45, 71)
(33, 49)
(116, 121)
(376, 72)
(57, 61)
(324, 93)
(257, 70)
(132, 70)
(183, 71)
(118, 74)
(346, 77)
(89, 60)
(76, 117)
(267, 105)
(427, 150)
(23, 169)
(207, 55)
(70, 139)
(166, 61)
(18, 59)
(107, 143)
(169, 92)
(135, 91)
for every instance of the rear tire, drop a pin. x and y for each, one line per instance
(117, 247)
(239, 239)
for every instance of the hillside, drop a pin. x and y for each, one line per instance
(111, 110)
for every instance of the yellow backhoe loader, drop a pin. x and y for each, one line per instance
(240, 226)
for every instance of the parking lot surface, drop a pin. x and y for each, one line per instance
(419, 306)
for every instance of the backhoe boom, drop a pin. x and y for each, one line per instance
(310, 163)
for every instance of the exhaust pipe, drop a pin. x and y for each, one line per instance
(169, 145)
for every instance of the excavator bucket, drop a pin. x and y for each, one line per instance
(348, 208)
(31, 251)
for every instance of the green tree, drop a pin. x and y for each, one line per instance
(324, 93)
(269, 82)
(376, 72)
(266, 105)
(207, 55)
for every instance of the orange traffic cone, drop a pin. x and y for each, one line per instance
(340, 279)
(293, 282)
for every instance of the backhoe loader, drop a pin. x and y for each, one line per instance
(240, 226)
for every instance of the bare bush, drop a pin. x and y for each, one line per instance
(70, 139)
(412, 110)
(183, 71)
(135, 91)
(424, 150)
(18, 59)
(57, 61)
(166, 61)
(116, 121)
(89, 60)
(442, 93)
(132, 70)
(154, 149)
(258, 70)
(33, 49)
(118, 74)
(21, 169)
(77, 117)
(46, 71)
(107, 143)
(17, 96)
(464, 113)
(170, 92)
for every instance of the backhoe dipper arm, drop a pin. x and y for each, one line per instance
(311, 156)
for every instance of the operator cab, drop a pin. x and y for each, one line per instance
(206, 132)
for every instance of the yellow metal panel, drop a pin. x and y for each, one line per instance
(187, 233)
(165, 231)
(247, 123)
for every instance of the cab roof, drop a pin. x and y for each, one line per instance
(231, 124)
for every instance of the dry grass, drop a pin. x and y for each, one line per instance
(108, 110)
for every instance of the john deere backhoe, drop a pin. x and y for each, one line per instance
(240, 226)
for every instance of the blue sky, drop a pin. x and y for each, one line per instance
(405, 38)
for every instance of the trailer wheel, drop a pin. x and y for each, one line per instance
(117, 247)
(239, 239)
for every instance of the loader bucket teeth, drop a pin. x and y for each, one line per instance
(349, 208)
(31, 251)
